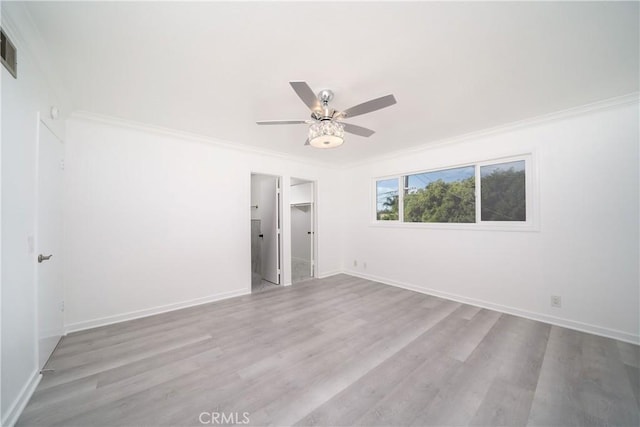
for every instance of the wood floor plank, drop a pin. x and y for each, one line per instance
(434, 365)
(71, 374)
(629, 354)
(338, 351)
(583, 382)
(292, 380)
(350, 405)
(470, 311)
(505, 404)
(353, 366)
(42, 398)
(633, 374)
(458, 401)
(481, 322)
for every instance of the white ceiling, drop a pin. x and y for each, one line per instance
(215, 68)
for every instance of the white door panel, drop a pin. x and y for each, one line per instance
(49, 242)
(269, 229)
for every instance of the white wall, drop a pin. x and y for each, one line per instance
(197, 246)
(160, 220)
(586, 250)
(22, 100)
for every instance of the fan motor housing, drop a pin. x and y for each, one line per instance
(325, 95)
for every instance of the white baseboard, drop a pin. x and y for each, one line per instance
(558, 321)
(326, 274)
(567, 323)
(11, 417)
(109, 320)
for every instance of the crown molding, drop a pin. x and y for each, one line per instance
(192, 137)
(632, 98)
(606, 104)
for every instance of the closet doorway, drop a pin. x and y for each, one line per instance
(303, 235)
(266, 236)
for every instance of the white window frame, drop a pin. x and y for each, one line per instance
(375, 200)
(531, 194)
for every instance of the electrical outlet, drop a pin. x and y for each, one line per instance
(61, 306)
(355, 263)
(556, 301)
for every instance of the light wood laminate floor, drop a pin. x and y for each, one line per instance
(338, 351)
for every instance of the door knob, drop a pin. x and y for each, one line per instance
(43, 257)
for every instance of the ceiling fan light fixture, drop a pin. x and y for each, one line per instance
(326, 130)
(326, 134)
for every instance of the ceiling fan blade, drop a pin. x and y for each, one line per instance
(282, 122)
(306, 94)
(357, 130)
(369, 106)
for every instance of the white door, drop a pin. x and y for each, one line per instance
(269, 208)
(49, 242)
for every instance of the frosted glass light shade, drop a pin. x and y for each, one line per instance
(326, 134)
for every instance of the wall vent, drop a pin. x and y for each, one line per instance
(9, 54)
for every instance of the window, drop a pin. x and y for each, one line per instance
(495, 193)
(387, 200)
(502, 192)
(441, 196)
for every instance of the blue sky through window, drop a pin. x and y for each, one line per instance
(385, 188)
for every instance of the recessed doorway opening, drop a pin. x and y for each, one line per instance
(303, 230)
(266, 232)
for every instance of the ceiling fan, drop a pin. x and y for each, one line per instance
(326, 128)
